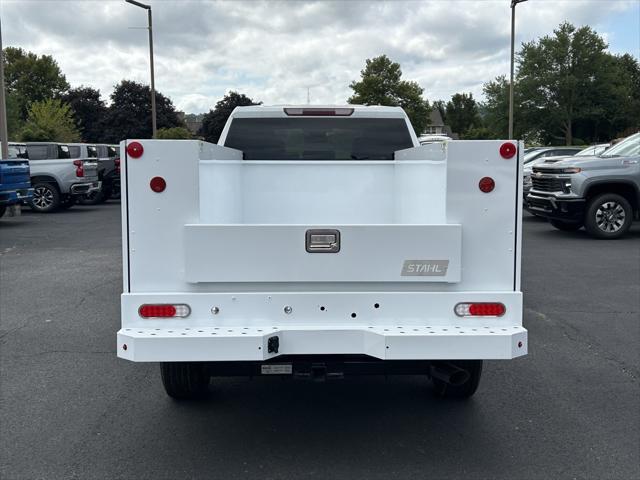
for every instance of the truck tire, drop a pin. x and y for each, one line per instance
(566, 226)
(93, 198)
(608, 216)
(468, 388)
(67, 202)
(46, 198)
(3, 209)
(184, 380)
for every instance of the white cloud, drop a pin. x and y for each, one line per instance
(274, 50)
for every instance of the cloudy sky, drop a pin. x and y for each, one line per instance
(274, 50)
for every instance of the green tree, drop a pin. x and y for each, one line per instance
(31, 78)
(174, 133)
(214, 121)
(561, 78)
(381, 84)
(50, 121)
(462, 113)
(14, 119)
(90, 112)
(129, 115)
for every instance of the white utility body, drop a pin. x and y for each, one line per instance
(320, 231)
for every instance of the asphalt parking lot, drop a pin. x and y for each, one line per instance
(71, 409)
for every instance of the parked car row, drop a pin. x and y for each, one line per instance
(598, 192)
(65, 174)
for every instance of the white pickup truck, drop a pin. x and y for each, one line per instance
(321, 242)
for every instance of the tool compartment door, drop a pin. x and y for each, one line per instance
(278, 253)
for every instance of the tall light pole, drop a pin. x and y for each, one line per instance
(4, 137)
(153, 83)
(513, 39)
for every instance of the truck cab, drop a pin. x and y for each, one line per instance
(320, 242)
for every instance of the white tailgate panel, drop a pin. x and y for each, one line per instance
(276, 253)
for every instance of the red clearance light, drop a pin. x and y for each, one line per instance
(480, 309)
(135, 149)
(79, 168)
(164, 310)
(486, 184)
(158, 184)
(319, 112)
(507, 150)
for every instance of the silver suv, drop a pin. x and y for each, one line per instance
(601, 193)
(57, 179)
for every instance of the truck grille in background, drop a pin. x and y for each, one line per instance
(547, 184)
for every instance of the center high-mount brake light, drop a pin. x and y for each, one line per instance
(319, 112)
(480, 309)
(164, 310)
(79, 168)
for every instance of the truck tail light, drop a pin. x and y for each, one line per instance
(164, 310)
(480, 309)
(319, 112)
(79, 168)
(117, 164)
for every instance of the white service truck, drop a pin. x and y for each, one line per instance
(321, 242)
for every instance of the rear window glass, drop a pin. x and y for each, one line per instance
(37, 152)
(92, 151)
(112, 152)
(74, 152)
(63, 151)
(318, 138)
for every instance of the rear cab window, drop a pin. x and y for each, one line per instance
(63, 151)
(316, 138)
(92, 151)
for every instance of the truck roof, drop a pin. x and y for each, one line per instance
(358, 110)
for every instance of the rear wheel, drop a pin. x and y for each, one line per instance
(3, 209)
(184, 380)
(46, 198)
(566, 226)
(608, 217)
(465, 390)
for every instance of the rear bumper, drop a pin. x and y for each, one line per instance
(16, 196)
(391, 342)
(570, 210)
(87, 187)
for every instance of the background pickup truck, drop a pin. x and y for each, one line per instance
(58, 181)
(318, 242)
(601, 193)
(15, 184)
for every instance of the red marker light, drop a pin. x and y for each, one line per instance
(158, 184)
(507, 150)
(486, 184)
(135, 149)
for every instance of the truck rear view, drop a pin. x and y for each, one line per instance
(320, 242)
